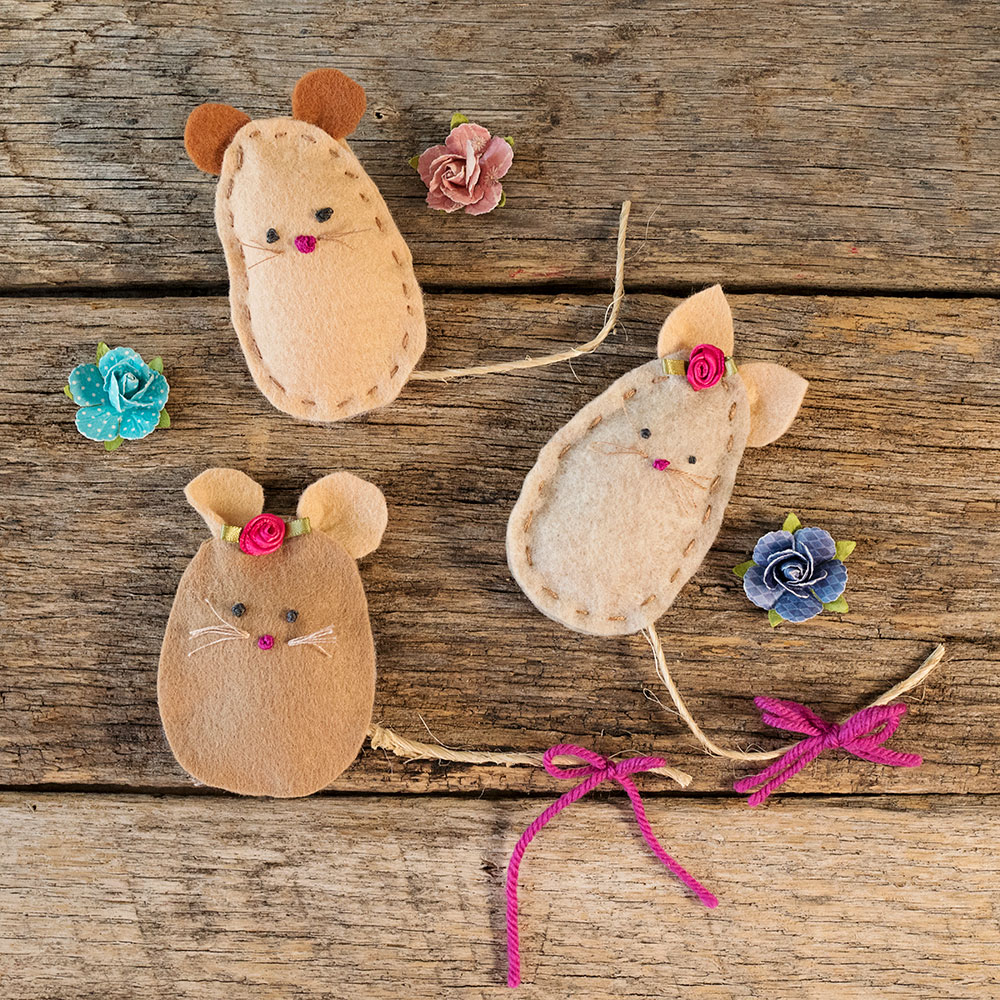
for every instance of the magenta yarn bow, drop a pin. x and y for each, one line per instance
(862, 735)
(596, 771)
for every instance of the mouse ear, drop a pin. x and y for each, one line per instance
(209, 131)
(330, 100)
(704, 318)
(224, 496)
(349, 509)
(775, 395)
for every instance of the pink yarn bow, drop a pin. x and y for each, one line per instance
(862, 735)
(596, 771)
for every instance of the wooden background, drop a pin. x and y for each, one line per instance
(835, 166)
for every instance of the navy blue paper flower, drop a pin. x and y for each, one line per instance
(796, 573)
(120, 397)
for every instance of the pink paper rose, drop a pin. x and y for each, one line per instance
(465, 172)
(263, 535)
(706, 366)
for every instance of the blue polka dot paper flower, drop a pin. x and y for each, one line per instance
(796, 573)
(121, 398)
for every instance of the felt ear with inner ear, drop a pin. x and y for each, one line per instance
(349, 509)
(775, 395)
(225, 496)
(209, 130)
(330, 100)
(703, 318)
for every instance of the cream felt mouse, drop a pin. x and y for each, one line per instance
(625, 500)
(267, 670)
(321, 283)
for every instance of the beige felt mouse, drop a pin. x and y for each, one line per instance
(267, 670)
(625, 500)
(321, 283)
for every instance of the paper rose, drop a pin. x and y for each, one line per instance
(465, 171)
(121, 398)
(796, 573)
(262, 535)
(706, 366)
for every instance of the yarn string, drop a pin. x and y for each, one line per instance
(595, 771)
(861, 735)
(610, 320)
(663, 671)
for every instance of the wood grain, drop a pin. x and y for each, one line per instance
(837, 145)
(348, 898)
(896, 446)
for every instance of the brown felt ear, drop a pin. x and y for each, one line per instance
(209, 131)
(225, 496)
(348, 509)
(330, 100)
(704, 318)
(775, 395)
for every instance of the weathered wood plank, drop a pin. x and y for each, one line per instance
(831, 144)
(896, 446)
(359, 897)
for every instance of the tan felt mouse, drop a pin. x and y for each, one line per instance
(267, 671)
(321, 283)
(625, 500)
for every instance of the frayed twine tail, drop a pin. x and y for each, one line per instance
(610, 320)
(385, 739)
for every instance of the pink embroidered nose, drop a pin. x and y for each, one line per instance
(305, 244)
(660, 464)
(265, 642)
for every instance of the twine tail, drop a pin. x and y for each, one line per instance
(663, 672)
(610, 321)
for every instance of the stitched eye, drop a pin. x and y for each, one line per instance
(239, 610)
(692, 459)
(290, 616)
(645, 432)
(272, 236)
(323, 214)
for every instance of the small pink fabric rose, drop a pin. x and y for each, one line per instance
(706, 366)
(465, 172)
(263, 535)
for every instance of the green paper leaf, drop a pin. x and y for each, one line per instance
(458, 119)
(102, 349)
(844, 549)
(164, 420)
(157, 364)
(112, 445)
(413, 161)
(69, 392)
(839, 605)
(792, 524)
(774, 618)
(509, 139)
(503, 199)
(741, 570)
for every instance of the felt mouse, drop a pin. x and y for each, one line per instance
(625, 499)
(321, 285)
(267, 671)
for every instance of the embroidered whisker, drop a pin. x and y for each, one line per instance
(225, 638)
(317, 639)
(263, 260)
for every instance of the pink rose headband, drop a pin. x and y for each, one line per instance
(264, 534)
